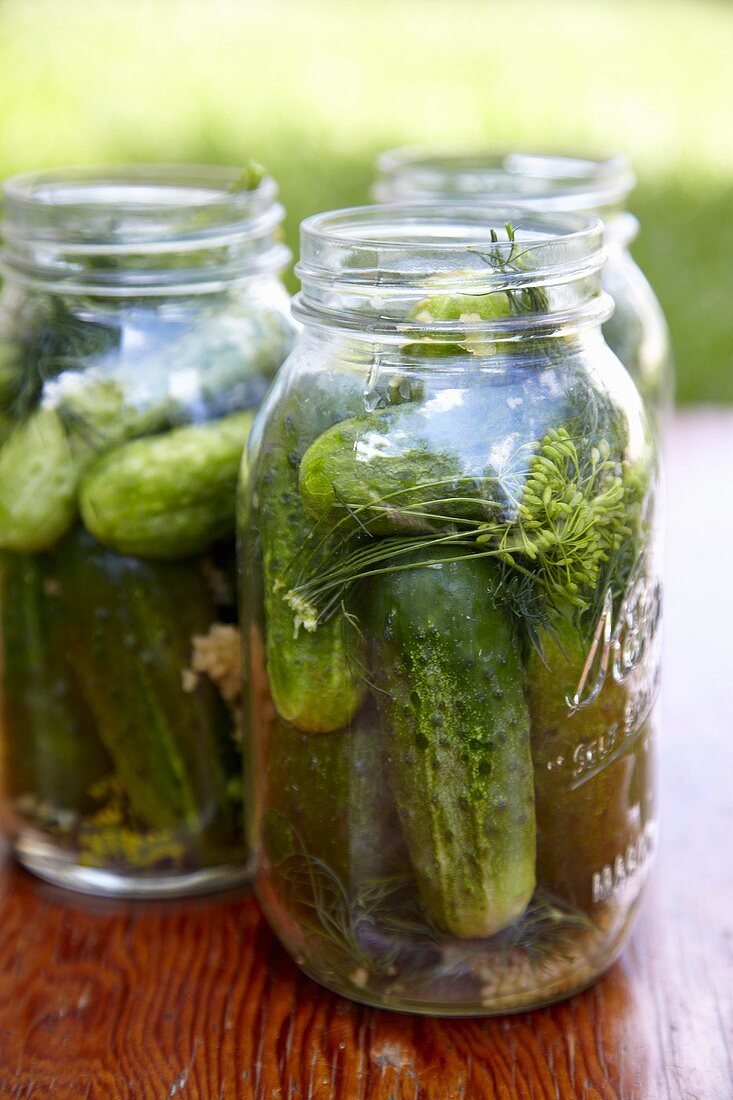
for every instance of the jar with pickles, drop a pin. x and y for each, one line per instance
(450, 614)
(636, 330)
(142, 318)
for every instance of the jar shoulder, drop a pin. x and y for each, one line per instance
(468, 401)
(194, 357)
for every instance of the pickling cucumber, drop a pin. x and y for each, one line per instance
(52, 752)
(11, 373)
(402, 470)
(98, 411)
(328, 800)
(424, 466)
(240, 354)
(339, 877)
(316, 678)
(128, 626)
(446, 663)
(46, 338)
(306, 809)
(469, 308)
(591, 769)
(39, 475)
(463, 307)
(169, 496)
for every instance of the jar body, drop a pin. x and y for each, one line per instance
(123, 421)
(450, 687)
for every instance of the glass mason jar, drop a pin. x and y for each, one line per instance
(449, 576)
(142, 318)
(636, 330)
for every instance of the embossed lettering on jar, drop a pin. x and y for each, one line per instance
(637, 330)
(142, 319)
(452, 614)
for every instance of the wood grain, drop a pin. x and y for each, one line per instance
(196, 1000)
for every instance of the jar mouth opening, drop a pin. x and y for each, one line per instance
(133, 204)
(540, 180)
(406, 242)
(141, 227)
(439, 224)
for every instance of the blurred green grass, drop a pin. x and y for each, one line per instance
(314, 90)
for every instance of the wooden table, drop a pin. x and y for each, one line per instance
(195, 999)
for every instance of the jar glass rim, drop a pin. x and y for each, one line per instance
(549, 179)
(361, 224)
(395, 241)
(143, 202)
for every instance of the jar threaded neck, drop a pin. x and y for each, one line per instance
(141, 228)
(385, 268)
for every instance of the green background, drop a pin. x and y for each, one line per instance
(315, 89)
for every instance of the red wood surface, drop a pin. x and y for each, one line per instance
(196, 1000)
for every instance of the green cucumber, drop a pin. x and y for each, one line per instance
(221, 363)
(402, 470)
(52, 751)
(11, 373)
(128, 625)
(316, 678)
(328, 800)
(46, 338)
(169, 496)
(237, 356)
(469, 308)
(447, 666)
(592, 790)
(6, 426)
(336, 856)
(98, 411)
(455, 459)
(306, 797)
(463, 307)
(39, 476)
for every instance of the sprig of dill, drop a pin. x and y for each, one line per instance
(547, 930)
(340, 922)
(530, 300)
(249, 179)
(335, 917)
(555, 543)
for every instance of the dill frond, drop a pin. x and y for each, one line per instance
(560, 540)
